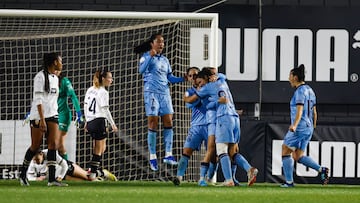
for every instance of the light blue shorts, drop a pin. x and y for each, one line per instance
(157, 104)
(196, 136)
(298, 139)
(227, 129)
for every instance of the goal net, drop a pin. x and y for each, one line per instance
(89, 40)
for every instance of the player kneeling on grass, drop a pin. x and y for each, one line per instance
(65, 170)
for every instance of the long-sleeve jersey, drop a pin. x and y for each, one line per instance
(157, 73)
(216, 90)
(66, 91)
(198, 110)
(35, 170)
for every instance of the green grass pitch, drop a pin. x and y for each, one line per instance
(158, 192)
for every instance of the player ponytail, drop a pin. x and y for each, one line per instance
(146, 46)
(98, 77)
(299, 72)
(48, 61)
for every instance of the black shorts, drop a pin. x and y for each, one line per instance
(35, 123)
(97, 128)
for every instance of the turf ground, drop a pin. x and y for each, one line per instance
(158, 192)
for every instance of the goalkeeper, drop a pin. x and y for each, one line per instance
(66, 91)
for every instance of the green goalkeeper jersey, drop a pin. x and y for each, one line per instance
(65, 91)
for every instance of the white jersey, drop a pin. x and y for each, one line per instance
(47, 99)
(35, 170)
(95, 100)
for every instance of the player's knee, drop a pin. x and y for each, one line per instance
(221, 148)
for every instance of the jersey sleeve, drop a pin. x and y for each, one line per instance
(144, 62)
(300, 96)
(71, 93)
(104, 99)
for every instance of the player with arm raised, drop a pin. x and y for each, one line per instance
(303, 122)
(96, 108)
(157, 73)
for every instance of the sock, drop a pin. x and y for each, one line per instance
(152, 141)
(51, 157)
(65, 156)
(241, 162)
(233, 169)
(168, 139)
(226, 166)
(27, 159)
(95, 163)
(288, 168)
(182, 165)
(212, 169)
(203, 170)
(309, 162)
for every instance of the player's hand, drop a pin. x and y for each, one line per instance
(153, 52)
(26, 119)
(292, 128)
(42, 125)
(80, 121)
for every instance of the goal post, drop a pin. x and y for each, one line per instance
(88, 40)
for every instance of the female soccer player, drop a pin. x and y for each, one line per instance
(227, 132)
(65, 115)
(303, 122)
(96, 109)
(198, 132)
(65, 170)
(44, 117)
(157, 74)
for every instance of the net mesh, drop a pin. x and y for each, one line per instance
(85, 45)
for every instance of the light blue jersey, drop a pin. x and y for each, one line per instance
(157, 73)
(299, 139)
(198, 109)
(305, 96)
(228, 123)
(216, 90)
(198, 130)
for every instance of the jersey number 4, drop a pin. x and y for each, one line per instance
(92, 107)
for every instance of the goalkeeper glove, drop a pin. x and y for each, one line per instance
(26, 119)
(80, 121)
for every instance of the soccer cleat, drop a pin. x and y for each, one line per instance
(57, 183)
(228, 183)
(170, 160)
(324, 175)
(251, 174)
(176, 181)
(202, 183)
(287, 185)
(24, 181)
(109, 176)
(154, 165)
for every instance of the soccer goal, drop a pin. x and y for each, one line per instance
(88, 40)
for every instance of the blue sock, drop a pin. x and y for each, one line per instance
(288, 168)
(212, 169)
(168, 138)
(226, 166)
(182, 165)
(152, 141)
(233, 169)
(241, 162)
(309, 162)
(203, 169)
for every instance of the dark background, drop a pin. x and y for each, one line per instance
(328, 113)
